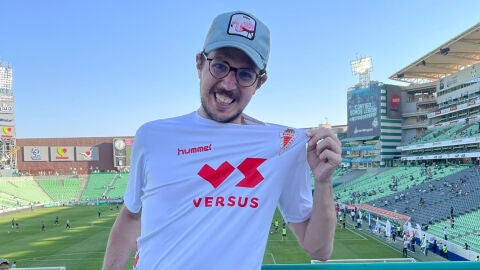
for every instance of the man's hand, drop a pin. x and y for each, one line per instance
(324, 153)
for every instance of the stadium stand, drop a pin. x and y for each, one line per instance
(16, 192)
(371, 186)
(423, 195)
(99, 185)
(62, 189)
(23, 189)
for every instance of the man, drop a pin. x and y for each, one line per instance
(425, 247)
(445, 251)
(4, 264)
(276, 223)
(434, 246)
(405, 247)
(412, 243)
(198, 181)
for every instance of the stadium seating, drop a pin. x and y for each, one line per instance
(24, 189)
(441, 189)
(99, 185)
(466, 229)
(60, 189)
(370, 187)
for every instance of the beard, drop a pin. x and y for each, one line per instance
(216, 118)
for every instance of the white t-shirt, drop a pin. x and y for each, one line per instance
(208, 191)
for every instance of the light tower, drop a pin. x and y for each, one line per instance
(5, 77)
(8, 147)
(362, 67)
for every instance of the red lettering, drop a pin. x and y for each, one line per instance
(254, 203)
(197, 203)
(231, 201)
(208, 201)
(219, 201)
(244, 203)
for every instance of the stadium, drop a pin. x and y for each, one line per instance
(410, 162)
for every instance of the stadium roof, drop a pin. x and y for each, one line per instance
(462, 50)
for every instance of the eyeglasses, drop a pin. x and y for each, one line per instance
(219, 69)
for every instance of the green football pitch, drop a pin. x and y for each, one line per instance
(82, 246)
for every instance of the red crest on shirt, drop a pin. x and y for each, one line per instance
(287, 137)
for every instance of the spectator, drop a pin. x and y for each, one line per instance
(4, 264)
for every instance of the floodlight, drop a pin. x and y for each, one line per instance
(362, 65)
(5, 77)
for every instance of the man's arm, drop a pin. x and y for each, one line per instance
(122, 240)
(316, 234)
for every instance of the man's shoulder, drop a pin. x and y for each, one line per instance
(176, 119)
(166, 122)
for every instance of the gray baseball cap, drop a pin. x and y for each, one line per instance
(4, 261)
(243, 31)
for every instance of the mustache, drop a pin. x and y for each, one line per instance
(224, 92)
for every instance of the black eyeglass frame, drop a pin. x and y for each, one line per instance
(230, 68)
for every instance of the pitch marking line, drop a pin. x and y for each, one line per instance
(286, 240)
(273, 258)
(361, 236)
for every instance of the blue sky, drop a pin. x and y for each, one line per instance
(102, 68)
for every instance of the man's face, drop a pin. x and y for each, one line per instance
(4, 266)
(224, 100)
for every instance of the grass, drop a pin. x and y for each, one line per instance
(348, 244)
(82, 247)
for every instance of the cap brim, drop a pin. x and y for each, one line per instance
(246, 49)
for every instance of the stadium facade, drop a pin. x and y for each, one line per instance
(435, 119)
(51, 156)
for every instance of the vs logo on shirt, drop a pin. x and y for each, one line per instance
(248, 167)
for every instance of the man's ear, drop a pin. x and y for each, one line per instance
(199, 60)
(262, 80)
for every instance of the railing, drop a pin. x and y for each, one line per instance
(378, 266)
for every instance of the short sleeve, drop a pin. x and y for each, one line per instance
(296, 200)
(136, 179)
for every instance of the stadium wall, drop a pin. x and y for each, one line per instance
(390, 122)
(102, 160)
